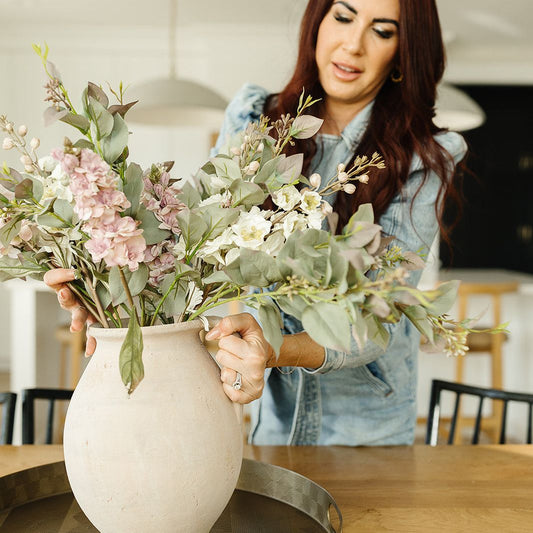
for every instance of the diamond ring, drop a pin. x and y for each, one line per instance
(237, 384)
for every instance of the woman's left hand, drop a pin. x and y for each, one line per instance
(247, 355)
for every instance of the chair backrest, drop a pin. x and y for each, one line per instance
(28, 411)
(8, 401)
(438, 386)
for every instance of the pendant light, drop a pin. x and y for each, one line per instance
(455, 110)
(172, 101)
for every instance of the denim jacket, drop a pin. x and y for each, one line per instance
(363, 397)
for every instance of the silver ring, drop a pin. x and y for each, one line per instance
(237, 384)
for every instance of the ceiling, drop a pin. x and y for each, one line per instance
(484, 30)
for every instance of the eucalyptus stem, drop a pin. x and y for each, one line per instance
(97, 303)
(128, 293)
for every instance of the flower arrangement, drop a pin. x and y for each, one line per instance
(155, 249)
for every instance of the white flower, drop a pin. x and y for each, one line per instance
(292, 222)
(8, 144)
(179, 249)
(22, 130)
(314, 220)
(273, 244)
(310, 201)
(251, 228)
(315, 180)
(287, 197)
(194, 296)
(58, 184)
(47, 163)
(214, 247)
(220, 199)
(35, 143)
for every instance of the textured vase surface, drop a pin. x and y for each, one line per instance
(164, 459)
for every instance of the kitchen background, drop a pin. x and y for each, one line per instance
(225, 44)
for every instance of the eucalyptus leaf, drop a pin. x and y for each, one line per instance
(359, 328)
(133, 188)
(226, 169)
(150, 226)
(64, 209)
(102, 117)
(447, 294)
(268, 170)
(78, 121)
(176, 299)
(294, 305)
(50, 221)
(116, 288)
(104, 295)
(271, 323)
(419, 318)
(97, 93)
(246, 193)
(377, 332)
(24, 189)
(305, 126)
(138, 280)
(121, 109)
(363, 234)
(254, 268)
(328, 325)
(193, 227)
(9, 231)
(38, 188)
(130, 360)
(218, 219)
(114, 144)
(84, 143)
(218, 276)
(52, 115)
(189, 195)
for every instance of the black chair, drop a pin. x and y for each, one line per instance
(29, 396)
(8, 401)
(459, 389)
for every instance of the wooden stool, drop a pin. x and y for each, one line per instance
(72, 347)
(484, 343)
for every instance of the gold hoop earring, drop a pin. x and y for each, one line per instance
(396, 75)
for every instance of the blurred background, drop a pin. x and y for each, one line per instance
(222, 45)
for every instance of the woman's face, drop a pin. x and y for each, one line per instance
(356, 48)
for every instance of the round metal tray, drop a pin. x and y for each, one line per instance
(267, 499)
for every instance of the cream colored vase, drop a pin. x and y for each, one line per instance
(165, 459)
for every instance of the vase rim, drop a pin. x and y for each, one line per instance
(96, 330)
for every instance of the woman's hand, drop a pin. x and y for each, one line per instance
(57, 279)
(248, 355)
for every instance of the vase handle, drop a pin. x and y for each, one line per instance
(212, 347)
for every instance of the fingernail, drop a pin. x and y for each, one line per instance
(213, 334)
(63, 294)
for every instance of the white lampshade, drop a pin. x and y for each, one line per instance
(456, 111)
(176, 102)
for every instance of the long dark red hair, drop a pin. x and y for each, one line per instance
(401, 123)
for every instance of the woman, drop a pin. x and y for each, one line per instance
(375, 65)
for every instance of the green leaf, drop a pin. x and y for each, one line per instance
(328, 324)
(101, 116)
(253, 267)
(78, 121)
(377, 332)
(38, 188)
(97, 93)
(447, 294)
(189, 195)
(50, 221)
(246, 193)
(218, 219)
(294, 305)
(136, 283)
(24, 190)
(226, 169)
(150, 226)
(130, 360)
(418, 316)
(218, 276)
(64, 209)
(365, 213)
(115, 143)
(133, 188)
(103, 295)
(305, 126)
(271, 323)
(138, 279)
(84, 143)
(193, 227)
(268, 170)
(116, 289)
(121, 109)
(10, 230)
(176, 301)
(359, 328)
(51, 115)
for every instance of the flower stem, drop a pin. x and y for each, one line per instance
(128, 293)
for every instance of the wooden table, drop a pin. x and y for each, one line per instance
(397, 489)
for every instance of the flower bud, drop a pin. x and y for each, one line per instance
(246, 138)
(35, 143)
(349, 188)
(326, 208)
(8, 144)
(9, 127)
(261, 147)
(26, 160)
(341, 167)
(315, 180)
(343, 177)
(243, 147)
(28, 168)
(364, 178)
(254, 166)
(235, 151)
(22, 130)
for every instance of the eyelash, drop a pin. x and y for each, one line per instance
(384, 34)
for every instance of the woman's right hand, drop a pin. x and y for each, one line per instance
(57, 279)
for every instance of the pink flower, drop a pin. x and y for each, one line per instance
(98, 247)
(129, 253)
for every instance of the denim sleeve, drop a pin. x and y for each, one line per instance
(247, 106)
(414, 224)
